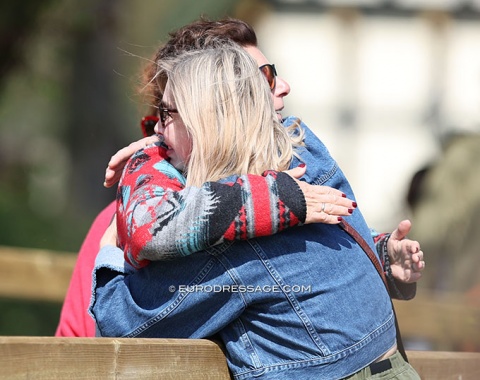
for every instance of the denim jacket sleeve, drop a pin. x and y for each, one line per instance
(158, 218)
(163, 299)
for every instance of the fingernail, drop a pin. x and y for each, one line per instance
(344, 195)
(354, 204)
(302, 165)
(350, 210)
(339, 218)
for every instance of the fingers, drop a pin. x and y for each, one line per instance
(113, 176)
(340, 206)
(405, 254)
(322, 218)
(414, 277)
(110, 235)
(118, 161)
(325, 204)
(418, 263)
(297, 172)
(410, 265)
(402, 230)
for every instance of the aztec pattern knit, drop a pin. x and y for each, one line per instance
(155, 208)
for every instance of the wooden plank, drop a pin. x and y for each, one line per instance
(433, 365)
(52, 358)
(110, 358)
(448, 321)
(35, 274)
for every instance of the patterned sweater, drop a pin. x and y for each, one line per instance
(158, 218)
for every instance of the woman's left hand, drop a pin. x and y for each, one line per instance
(324, 204)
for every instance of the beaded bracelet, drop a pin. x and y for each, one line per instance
(386, 258)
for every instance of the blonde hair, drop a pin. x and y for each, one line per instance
(227, 108)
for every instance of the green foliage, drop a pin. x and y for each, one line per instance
(27, 318)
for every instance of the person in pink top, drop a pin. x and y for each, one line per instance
(74, 319)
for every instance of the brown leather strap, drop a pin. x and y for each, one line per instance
(371, 255)
(376, 263)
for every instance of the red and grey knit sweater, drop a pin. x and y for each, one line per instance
(158, 218)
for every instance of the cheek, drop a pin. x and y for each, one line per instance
(187, 148)
(183, 143)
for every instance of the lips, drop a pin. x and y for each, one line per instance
(279, 114)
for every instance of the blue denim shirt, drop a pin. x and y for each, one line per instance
(303, 304)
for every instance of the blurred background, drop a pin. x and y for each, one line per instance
(391, 87)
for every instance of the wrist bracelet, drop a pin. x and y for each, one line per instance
(386, 259)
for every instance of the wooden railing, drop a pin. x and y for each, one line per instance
(447, 322)
(35, 274)
(173, 359)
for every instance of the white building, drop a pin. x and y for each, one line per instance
(381, 82)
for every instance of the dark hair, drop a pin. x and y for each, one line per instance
(199, 34)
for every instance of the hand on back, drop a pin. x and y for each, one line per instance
(324, 204)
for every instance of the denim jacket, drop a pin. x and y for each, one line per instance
(303, 304)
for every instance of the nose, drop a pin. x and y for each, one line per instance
(159, 128)
(282, 88)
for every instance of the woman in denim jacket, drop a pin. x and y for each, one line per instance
(306, 303)
(75, 320)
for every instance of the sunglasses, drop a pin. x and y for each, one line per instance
(270, 73)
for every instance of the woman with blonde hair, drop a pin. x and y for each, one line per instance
(228, 113)
(307, 303)
(216, 121)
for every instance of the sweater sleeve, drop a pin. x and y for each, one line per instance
(158, 218)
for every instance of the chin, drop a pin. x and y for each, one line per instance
(180, 166)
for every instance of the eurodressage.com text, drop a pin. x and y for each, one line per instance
(242, 288)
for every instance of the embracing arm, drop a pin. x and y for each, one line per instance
(154, 301)
(160, 219)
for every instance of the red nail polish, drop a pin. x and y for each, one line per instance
(344, 195)
(350, 210)
(339, 218)
(354, 204)
(302, 165)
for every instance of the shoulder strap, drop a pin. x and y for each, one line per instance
(373, 258)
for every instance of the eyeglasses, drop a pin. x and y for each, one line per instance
(148, 125)
(164, 113)
(270, 73)
(148, 122)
